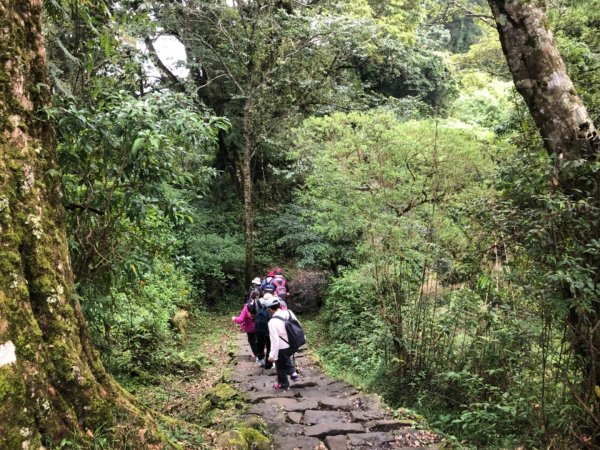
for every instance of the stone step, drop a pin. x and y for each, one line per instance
(258, 396)
(331, 429)
(388, 425)
(295, 417)
(370, 439)
(338, 442)
(368, 415)
(296, 442)
(336, 403)
(315, 417)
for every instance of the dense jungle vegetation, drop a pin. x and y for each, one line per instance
(381, 144)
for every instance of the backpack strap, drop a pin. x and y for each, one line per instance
(283, 320)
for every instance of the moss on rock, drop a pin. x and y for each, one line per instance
(255, 440)
(256, 423)
(232, 440)
(221, 394)
(243, 439)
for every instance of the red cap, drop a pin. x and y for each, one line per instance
(271, 274)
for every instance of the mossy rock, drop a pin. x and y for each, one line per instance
(232, 440)
(243, 439)
(221, 394)
(255, 439)
(255, 423)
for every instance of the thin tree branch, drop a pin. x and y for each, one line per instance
(172, 79)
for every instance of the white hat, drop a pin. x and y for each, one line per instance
(272, 302)
(256, 281)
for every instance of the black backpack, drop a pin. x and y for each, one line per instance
(261, 321)
(295, 333)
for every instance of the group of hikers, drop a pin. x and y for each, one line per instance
(274, 332)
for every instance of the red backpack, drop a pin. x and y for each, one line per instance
(280, 288)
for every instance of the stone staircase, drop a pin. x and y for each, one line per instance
(319, 413)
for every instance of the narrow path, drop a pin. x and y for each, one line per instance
(321, 413)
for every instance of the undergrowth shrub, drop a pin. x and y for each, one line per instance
(134, 327)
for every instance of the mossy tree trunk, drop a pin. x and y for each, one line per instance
(540, 76)
(52, 382)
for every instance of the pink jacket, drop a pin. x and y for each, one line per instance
(245, 320)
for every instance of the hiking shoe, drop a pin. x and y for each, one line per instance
(280, 387)
(260, 362)
(295, 376)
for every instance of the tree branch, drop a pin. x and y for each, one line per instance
(172, 80)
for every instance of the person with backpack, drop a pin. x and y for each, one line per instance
(268, 280)
(256, 284)
(247, 322)
(286, 337)
(280, 283)
(261, 326)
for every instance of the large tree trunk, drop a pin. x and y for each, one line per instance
(541, 78)
(52, 382)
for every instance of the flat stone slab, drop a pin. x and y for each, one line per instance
(303, 405)
(258, 396)
(368, 415)
(331, 429)
(388, 425)
(271, 413)
(295, 417)
(287, 429)
(334, 403)
(295, 442)
(370, 439)
(314, 417)
(337, 442)
(282, 402)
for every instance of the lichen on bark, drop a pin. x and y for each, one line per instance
(56, 385)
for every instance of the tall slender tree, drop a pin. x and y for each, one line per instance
(51, 379)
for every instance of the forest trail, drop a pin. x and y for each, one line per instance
(318, 412)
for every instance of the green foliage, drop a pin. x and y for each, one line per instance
(123, 163)
(400, 70)
(484, 101)
(576, 26)
(133, 325)
(214, 244)
(91, 49)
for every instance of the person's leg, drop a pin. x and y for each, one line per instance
(260, 346)
(253, 344)
(289, 364)
(268, 365)
(281, 364)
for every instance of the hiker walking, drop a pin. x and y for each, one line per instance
(280, 283)
(247, 322)
(261, 321)
(281, 348)
(268, 279)
(256, 284)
